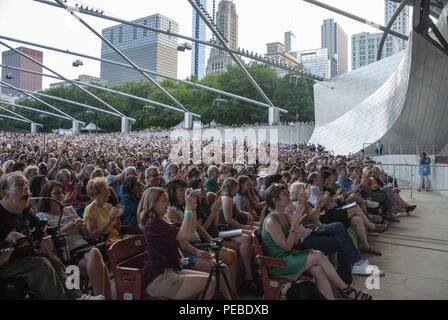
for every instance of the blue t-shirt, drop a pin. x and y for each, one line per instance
(346, 185)
(424, 169)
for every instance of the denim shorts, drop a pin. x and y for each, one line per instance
(191, 259)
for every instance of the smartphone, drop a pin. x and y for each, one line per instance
(197, 192)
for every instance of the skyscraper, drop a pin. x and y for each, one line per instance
(401, 25)
(20, 79)
(289, 41)
(198, 50)
(147, 49)
(317, 62)
(335, 40)
(365, 45)
(227, 23)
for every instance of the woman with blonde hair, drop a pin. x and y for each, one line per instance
(162, 273)
(101, 217)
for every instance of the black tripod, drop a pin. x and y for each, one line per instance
(217, 269)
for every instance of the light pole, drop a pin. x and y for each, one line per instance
(42, 118)
(89, 112)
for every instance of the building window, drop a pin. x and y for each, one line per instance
(120, 35)
(112, 35)
(145, 31)
(135, 33)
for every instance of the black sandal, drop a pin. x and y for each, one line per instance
(370, 251)
(359, 295)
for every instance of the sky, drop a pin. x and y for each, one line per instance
(260, 22)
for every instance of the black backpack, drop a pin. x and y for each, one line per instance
(304, 290)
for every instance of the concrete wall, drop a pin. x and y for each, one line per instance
(286, 134)
(406, 170)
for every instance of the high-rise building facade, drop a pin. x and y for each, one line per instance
(364, 48)
(199, 30)
(227, 23)
(20, 79)
(365, 45)
(289, 41)
(336, 41)
(147, 49)
(318, 62)
(277, 51)
(401, 25)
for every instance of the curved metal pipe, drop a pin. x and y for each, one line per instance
(388, 27)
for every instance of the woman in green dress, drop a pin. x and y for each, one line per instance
(281, 235)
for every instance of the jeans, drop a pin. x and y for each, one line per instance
(421, 179)
(389, 194)
(332, 238)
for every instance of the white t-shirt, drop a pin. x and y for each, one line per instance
(74, 237)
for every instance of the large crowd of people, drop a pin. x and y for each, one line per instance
(315, 212)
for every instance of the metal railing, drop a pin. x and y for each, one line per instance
(408, 175)
(370, 149)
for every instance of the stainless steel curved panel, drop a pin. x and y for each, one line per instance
(409, 108)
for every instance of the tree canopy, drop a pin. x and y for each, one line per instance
(294, 95)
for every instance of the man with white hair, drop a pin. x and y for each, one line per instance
(211, 184)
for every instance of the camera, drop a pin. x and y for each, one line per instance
(197, 192)
(215, 244)
(25, 246)
(60, 244)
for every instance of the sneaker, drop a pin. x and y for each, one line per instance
(372, 204)
(397, 210)
(375, 218)
(364, 270)
(89, 297)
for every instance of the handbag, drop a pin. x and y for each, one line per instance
(337, 215)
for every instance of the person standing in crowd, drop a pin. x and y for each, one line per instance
(379, 148)
(424, 171)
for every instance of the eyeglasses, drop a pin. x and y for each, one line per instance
(59, 192)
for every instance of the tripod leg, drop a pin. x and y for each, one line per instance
(207, 285)
(228, 285)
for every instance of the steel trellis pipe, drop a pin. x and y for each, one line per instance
(388, 27)
(72, 12)
(177, 35)
(18, 119)
(43, 66)
(40, 100)
(227, 49)
(20, 116)
(99, 88)
(37, 110)
(228, 94)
